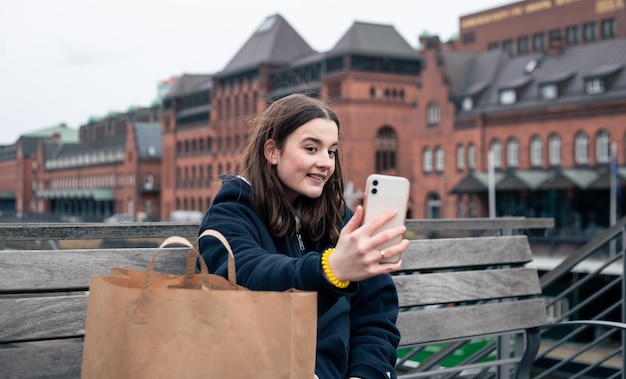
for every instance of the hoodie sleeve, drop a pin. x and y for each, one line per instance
(374, 336)
(259, 265)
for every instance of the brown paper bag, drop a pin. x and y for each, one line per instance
(149, 325)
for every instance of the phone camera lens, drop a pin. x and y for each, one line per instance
(375, 182)
(374, 190)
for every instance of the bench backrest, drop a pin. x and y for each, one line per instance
(448, 289)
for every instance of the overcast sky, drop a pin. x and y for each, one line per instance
(62, 61)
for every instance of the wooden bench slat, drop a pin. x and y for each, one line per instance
(460, 252)
(33, 318)
(450, 287)
(441, 324)
(67, 231)
(54, 359)
(54, 270)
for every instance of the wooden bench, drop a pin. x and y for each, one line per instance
(451, 291)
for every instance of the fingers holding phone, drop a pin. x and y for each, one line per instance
(386, 202)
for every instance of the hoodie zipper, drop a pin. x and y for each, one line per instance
(300, 243)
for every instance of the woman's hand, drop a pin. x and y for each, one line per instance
(358, 255)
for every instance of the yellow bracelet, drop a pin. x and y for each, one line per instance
(329, 273)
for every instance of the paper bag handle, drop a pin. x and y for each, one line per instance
(194, 256)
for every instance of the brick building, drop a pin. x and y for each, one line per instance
(550, 113)
(19, 168)
(115, 168)
(533, 26)
(370, 75)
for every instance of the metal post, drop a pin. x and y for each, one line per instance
(492, 185)
(623, 332)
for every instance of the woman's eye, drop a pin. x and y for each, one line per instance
(310, 149)
(332, 153)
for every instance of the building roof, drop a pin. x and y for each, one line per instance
(65, 134)
(190, 83)
(274, 42)
(569, 68)
(148, 140)
(471, 73)
(373, 39)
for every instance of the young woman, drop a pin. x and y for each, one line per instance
(286, 219)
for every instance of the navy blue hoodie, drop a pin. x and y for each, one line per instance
(356, 333)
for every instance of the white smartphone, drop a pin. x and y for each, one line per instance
(382, 193)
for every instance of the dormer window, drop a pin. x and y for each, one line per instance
(467, 104)
(594, 86)
(549, 91)
(508, 96)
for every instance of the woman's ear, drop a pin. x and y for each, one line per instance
(270, 150)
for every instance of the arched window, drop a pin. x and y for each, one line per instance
(496, 148)
(554, 150)
(460, 157)
(512, 152)
(440, 159)
(386, 149)
(432, 115)
(427, 160)
(603, 147)
(536, 151)
(581, 148)
(471, 156)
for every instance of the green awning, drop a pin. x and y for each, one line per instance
(7, 194)
(97, 194)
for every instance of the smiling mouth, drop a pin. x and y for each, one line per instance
(316, 177)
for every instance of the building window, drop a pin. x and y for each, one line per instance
(549, 91)
(433, 206)
(386, 149)
(460, 207)
(148, 182)
(603, 149)
(508, 46)
(508, 96)
(471, 156)
(439, 159)
(581, 149)
(523, 45)
(432, 116)
(427, 160)
(590, 32)
(609, 28)
(555, 35)
(460, 157)
(496, 149)
(536, 151)
(473, 206)
(512, 153)
(539, 42)
(571, 35)
(554, 150)
(468, 103)
(594, 86)
(493, 46)
(468, 38)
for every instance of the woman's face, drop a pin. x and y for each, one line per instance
(307, 160)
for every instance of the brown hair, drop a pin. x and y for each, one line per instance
(318, 217)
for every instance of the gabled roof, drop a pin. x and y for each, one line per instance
(190, 83)
(148, 140)
(471, 73)
(274, 42)
(373, 39)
